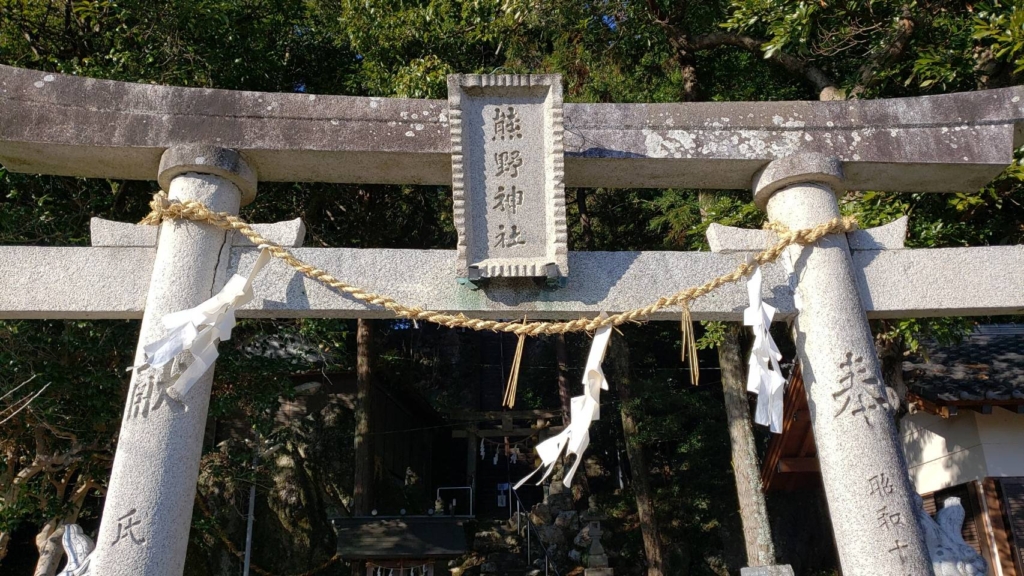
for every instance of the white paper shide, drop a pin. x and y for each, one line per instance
(584, 410)
(764, 376)
(199, 329)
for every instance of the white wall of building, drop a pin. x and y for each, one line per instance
(944, 452)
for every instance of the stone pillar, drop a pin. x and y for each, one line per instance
(148, 509)
(862, 464)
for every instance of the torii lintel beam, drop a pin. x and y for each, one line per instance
(72, 126)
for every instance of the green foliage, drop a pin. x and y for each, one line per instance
(1000, 27)
(789, 26)
(71, 426)
(945, 61)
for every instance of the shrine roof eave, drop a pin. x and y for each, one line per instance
(74, 126)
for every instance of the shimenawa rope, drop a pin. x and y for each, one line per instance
(164, 209)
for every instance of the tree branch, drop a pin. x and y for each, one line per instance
(904, 30)
(679, 42)
(797, 66)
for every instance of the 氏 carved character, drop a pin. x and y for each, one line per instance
(125, 525)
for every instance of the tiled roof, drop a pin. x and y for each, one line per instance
(987, 365)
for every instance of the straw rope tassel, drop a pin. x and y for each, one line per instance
(513, 375)
(689, 343)
(163, 209)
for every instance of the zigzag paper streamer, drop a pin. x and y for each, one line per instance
(764, 376)
(199, 329)
(583, 410)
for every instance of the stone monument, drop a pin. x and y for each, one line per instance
(597, 560)
(796, 156)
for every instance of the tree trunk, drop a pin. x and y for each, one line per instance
(585, 227)
(362, 496)
(641, 484)
(890, 355)
(757, 531)
(562, 359)
(50, 549)
(48, 540)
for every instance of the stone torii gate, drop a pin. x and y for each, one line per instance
(214, 145)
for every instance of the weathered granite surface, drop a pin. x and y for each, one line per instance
(863, 468)
(57, 124)
(113, 282)
(207, 159)
(147, 512)
(728, 239)
(107, 233)
(784, 570)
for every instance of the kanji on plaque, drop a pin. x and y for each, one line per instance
(507, 123)
(508, 199)
(508, 238)
(508, 163)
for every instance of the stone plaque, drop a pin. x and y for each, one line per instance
(507, 173)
